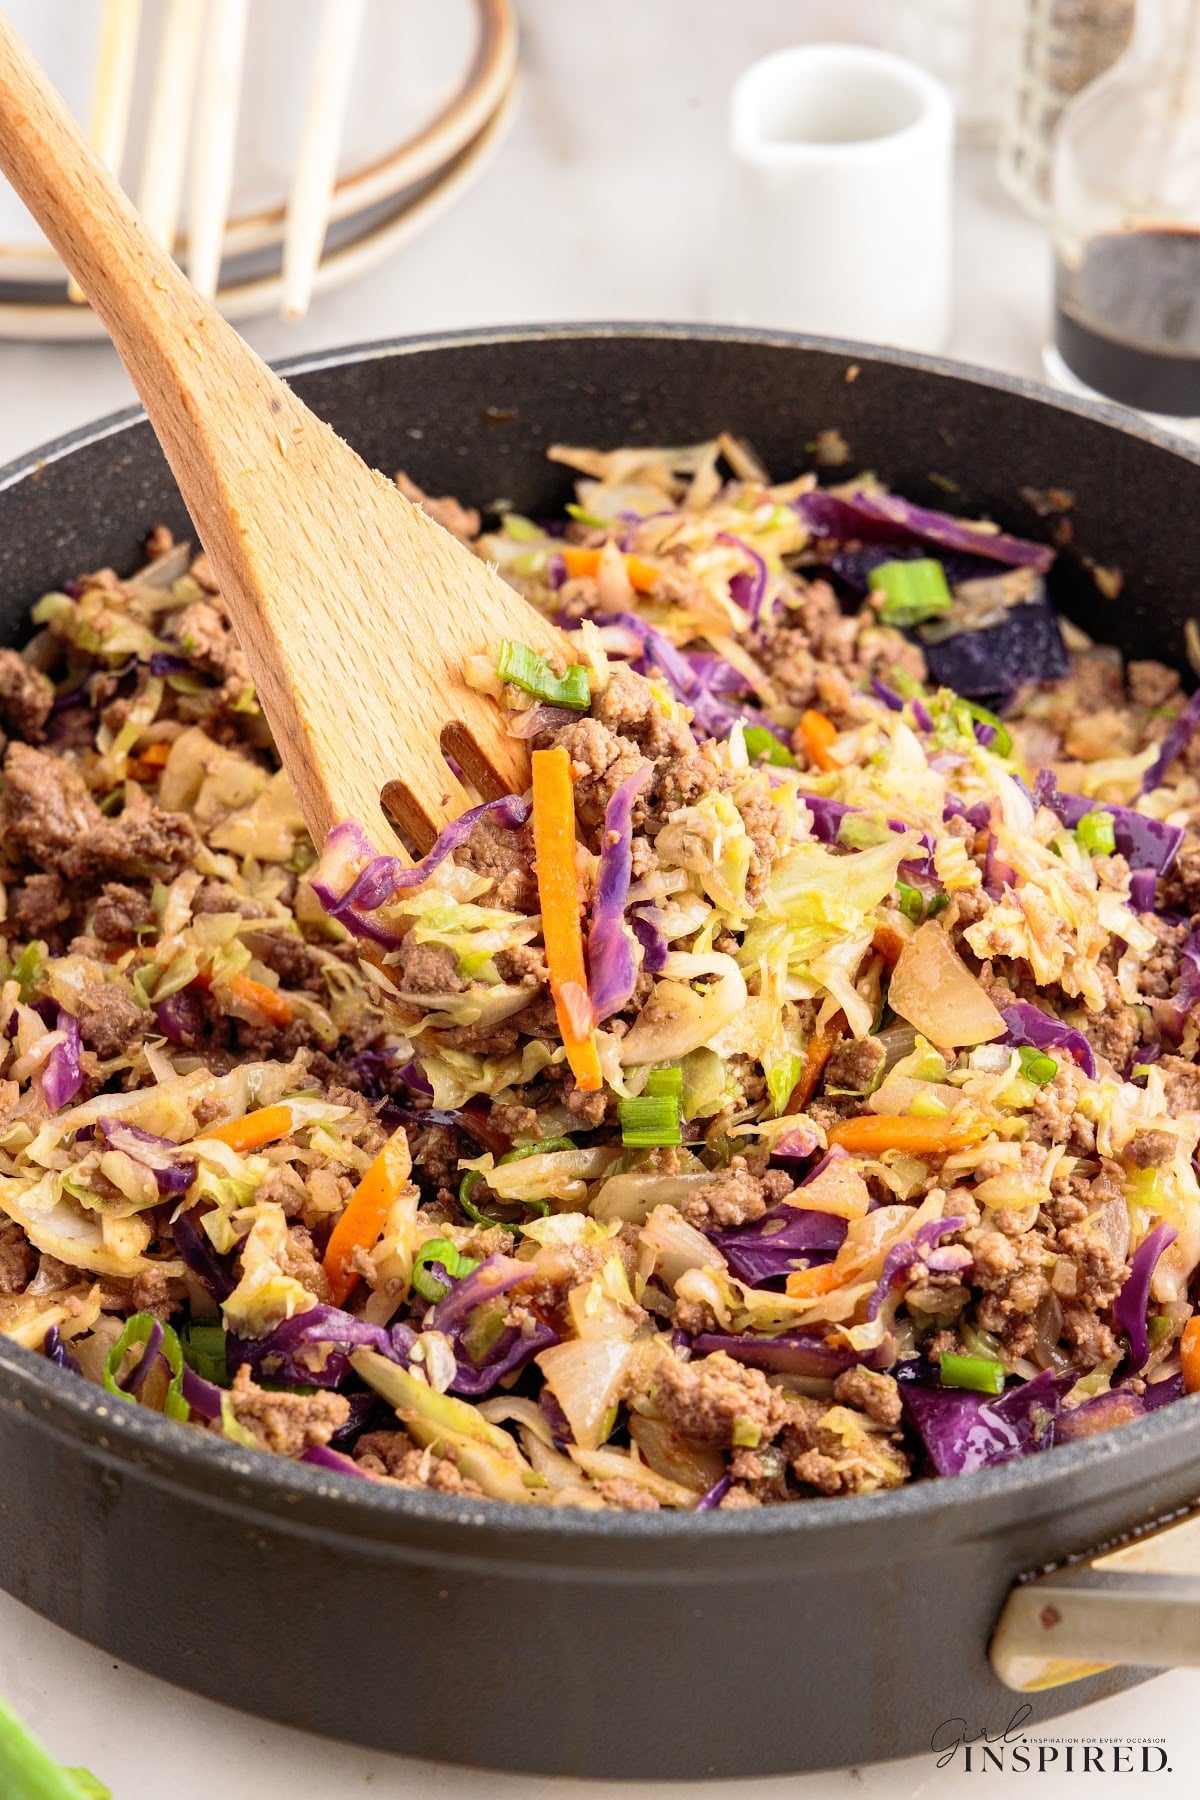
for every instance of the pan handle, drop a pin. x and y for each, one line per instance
(1138, 1605)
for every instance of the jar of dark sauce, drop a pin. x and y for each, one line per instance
(1126, 212)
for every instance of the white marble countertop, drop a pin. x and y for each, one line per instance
(600, 206)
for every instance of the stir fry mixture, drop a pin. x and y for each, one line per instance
(794, 1094)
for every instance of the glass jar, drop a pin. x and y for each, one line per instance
(971, 46)
(1064, 45)
(1126, 222)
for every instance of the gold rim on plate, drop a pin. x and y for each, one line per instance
(60, 321)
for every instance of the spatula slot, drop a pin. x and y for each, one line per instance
(462, 747)
(413, 825)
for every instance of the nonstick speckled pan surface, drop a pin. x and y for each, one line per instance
(790, 1638)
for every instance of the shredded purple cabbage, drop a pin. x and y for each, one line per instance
(1027, 1026)
(797, 1143)
(1117, 1407)
(873, 517)
(827, 817)
(322, 1457)
(180, 1017)
(511, 1351)
(644, 921)
(347, 890)
(749, 591)
(902, 1256)
(713, 1496)
(204, 1397)
(62, 1071)
(141, 1369)
(55, 1350)
(962, 1430)
(1173, 744)
(611, 963)
(493, 1276)
(1133, 1301)
(1145, 843)
(891, 699)
(771, 1247)
(197, 1252)
(1143, 884)
(992, 664)
(1187, 994)
(173, 1170)
(313, 1348)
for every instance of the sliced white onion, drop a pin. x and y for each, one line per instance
(585, 1376)
(934, 990)
(677, 1245)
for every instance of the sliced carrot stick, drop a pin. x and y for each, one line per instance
(580, 561)
(362, 1223)
(808, 1284)
(817, 1052)
(1189, 1355)
(155, 754)
(253, 1130)
(818, 734)
(558, 892)
(268, 1000)
(873, 1133)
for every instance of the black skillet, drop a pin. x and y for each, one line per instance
(555, 1642)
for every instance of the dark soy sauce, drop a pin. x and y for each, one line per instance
(1127, 321)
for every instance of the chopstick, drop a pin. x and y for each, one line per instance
(164, 159)
(112, 90)
(214, 135)
(320, 139)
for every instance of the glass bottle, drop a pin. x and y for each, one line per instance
(1126, 222)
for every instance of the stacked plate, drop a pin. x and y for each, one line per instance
(432, 92)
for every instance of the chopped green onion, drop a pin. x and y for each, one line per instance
(912, 902)
(1096, 834)
(539, 1147)
(666, 1079)
(441, 1251)
(1036, 1066)
(968, 714)
(533, 674)
(650, 1122)
(28, 1772)
(746, 1435)
(938, 904)
(763, 746)
(912, 591)
(203, 1347)
(138, 1330)
(982, 1373)
(582, 517)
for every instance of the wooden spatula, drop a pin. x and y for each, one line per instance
(354, 609)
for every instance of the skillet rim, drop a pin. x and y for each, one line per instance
(349, 1506)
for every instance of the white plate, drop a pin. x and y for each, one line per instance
(427, 78)
(381, 231)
